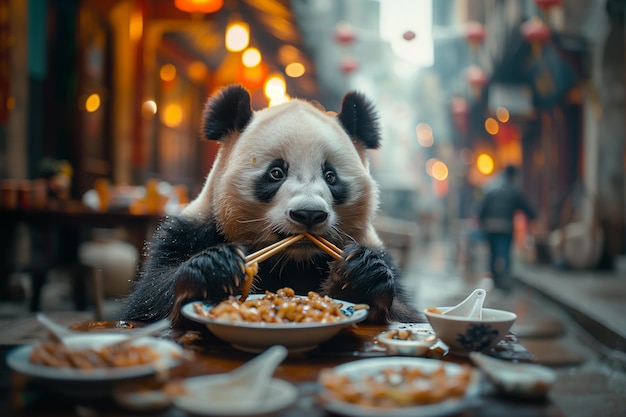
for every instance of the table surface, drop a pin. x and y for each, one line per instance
(23, 396)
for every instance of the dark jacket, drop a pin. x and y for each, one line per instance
(499, 206)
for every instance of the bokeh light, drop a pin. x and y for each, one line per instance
(502, 114)
(424, 135)
(275, 87)
(92, 103)
(237, 36)
(295, 70)
(439, 171)
(251, 57)
(172, 115)
(167, 72)
(491, 126)
(484, 164)
(149, 108)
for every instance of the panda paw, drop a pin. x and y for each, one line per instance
(364, 276)
(213, 274)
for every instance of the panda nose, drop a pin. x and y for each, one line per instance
(308, 217)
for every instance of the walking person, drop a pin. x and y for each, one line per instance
(496, 221)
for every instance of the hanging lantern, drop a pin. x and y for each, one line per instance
(537, 33)
(547, 5)
(477, 79)
(460, 112)
(409, 35)
(199, 6)
(475, 35)
(344, 34)
(348, 65)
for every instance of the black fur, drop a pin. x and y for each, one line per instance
(226, 112)
(190, 261)
(359, 120)
(268, 184)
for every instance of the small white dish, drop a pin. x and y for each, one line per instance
(197, 399)
(364, 368)
(407, 342)
(521, 380)
(257, 337)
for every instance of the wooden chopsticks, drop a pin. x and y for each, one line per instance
(252, 260)
(273, 249)
(325, 245)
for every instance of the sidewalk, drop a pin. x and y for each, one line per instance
(596, 300)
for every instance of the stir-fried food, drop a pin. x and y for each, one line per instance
(55, 354)
(396, 387)
(284, 306)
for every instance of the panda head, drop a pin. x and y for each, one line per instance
(288, 169)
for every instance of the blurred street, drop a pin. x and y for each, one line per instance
(570, 321)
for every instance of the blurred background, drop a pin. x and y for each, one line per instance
(100, 106)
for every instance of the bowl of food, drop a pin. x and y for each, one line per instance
(407, 342)
(463, 334)
(298, 322)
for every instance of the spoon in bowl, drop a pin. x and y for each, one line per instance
(242, 388)
(61, 333)
(471, 307)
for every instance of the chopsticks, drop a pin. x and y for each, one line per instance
(271, 250)
(325, 245)
(252, 260)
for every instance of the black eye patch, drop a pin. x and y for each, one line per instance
(338, 188)
(268, 184)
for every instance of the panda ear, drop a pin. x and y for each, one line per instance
(359, 119)
(226, 111)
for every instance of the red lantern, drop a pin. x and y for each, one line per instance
(199, 6)
(547, 5)
(348, 65)
(475, 34)
(476, 78)
(537, 33)
(409, 35)
(344, 34)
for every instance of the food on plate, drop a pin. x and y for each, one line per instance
(403, 334)
(251, 269)
(394, 387)
(57, 355)
(434, 310)
(283, 306)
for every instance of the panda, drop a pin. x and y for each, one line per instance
(279, 171)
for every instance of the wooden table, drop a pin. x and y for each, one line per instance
(24, 397)
(58, 234)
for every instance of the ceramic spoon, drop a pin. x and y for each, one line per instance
(521, 380)
(61, 332)
(471, 307)
(245, 385)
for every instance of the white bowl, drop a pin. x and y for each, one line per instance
(464, 335)
(418, 343)
(257, 337)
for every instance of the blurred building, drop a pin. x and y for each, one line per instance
(464, 87)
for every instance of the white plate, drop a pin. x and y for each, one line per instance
(170, 354)
(257, 337)
(197, 400)
(360, 368)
